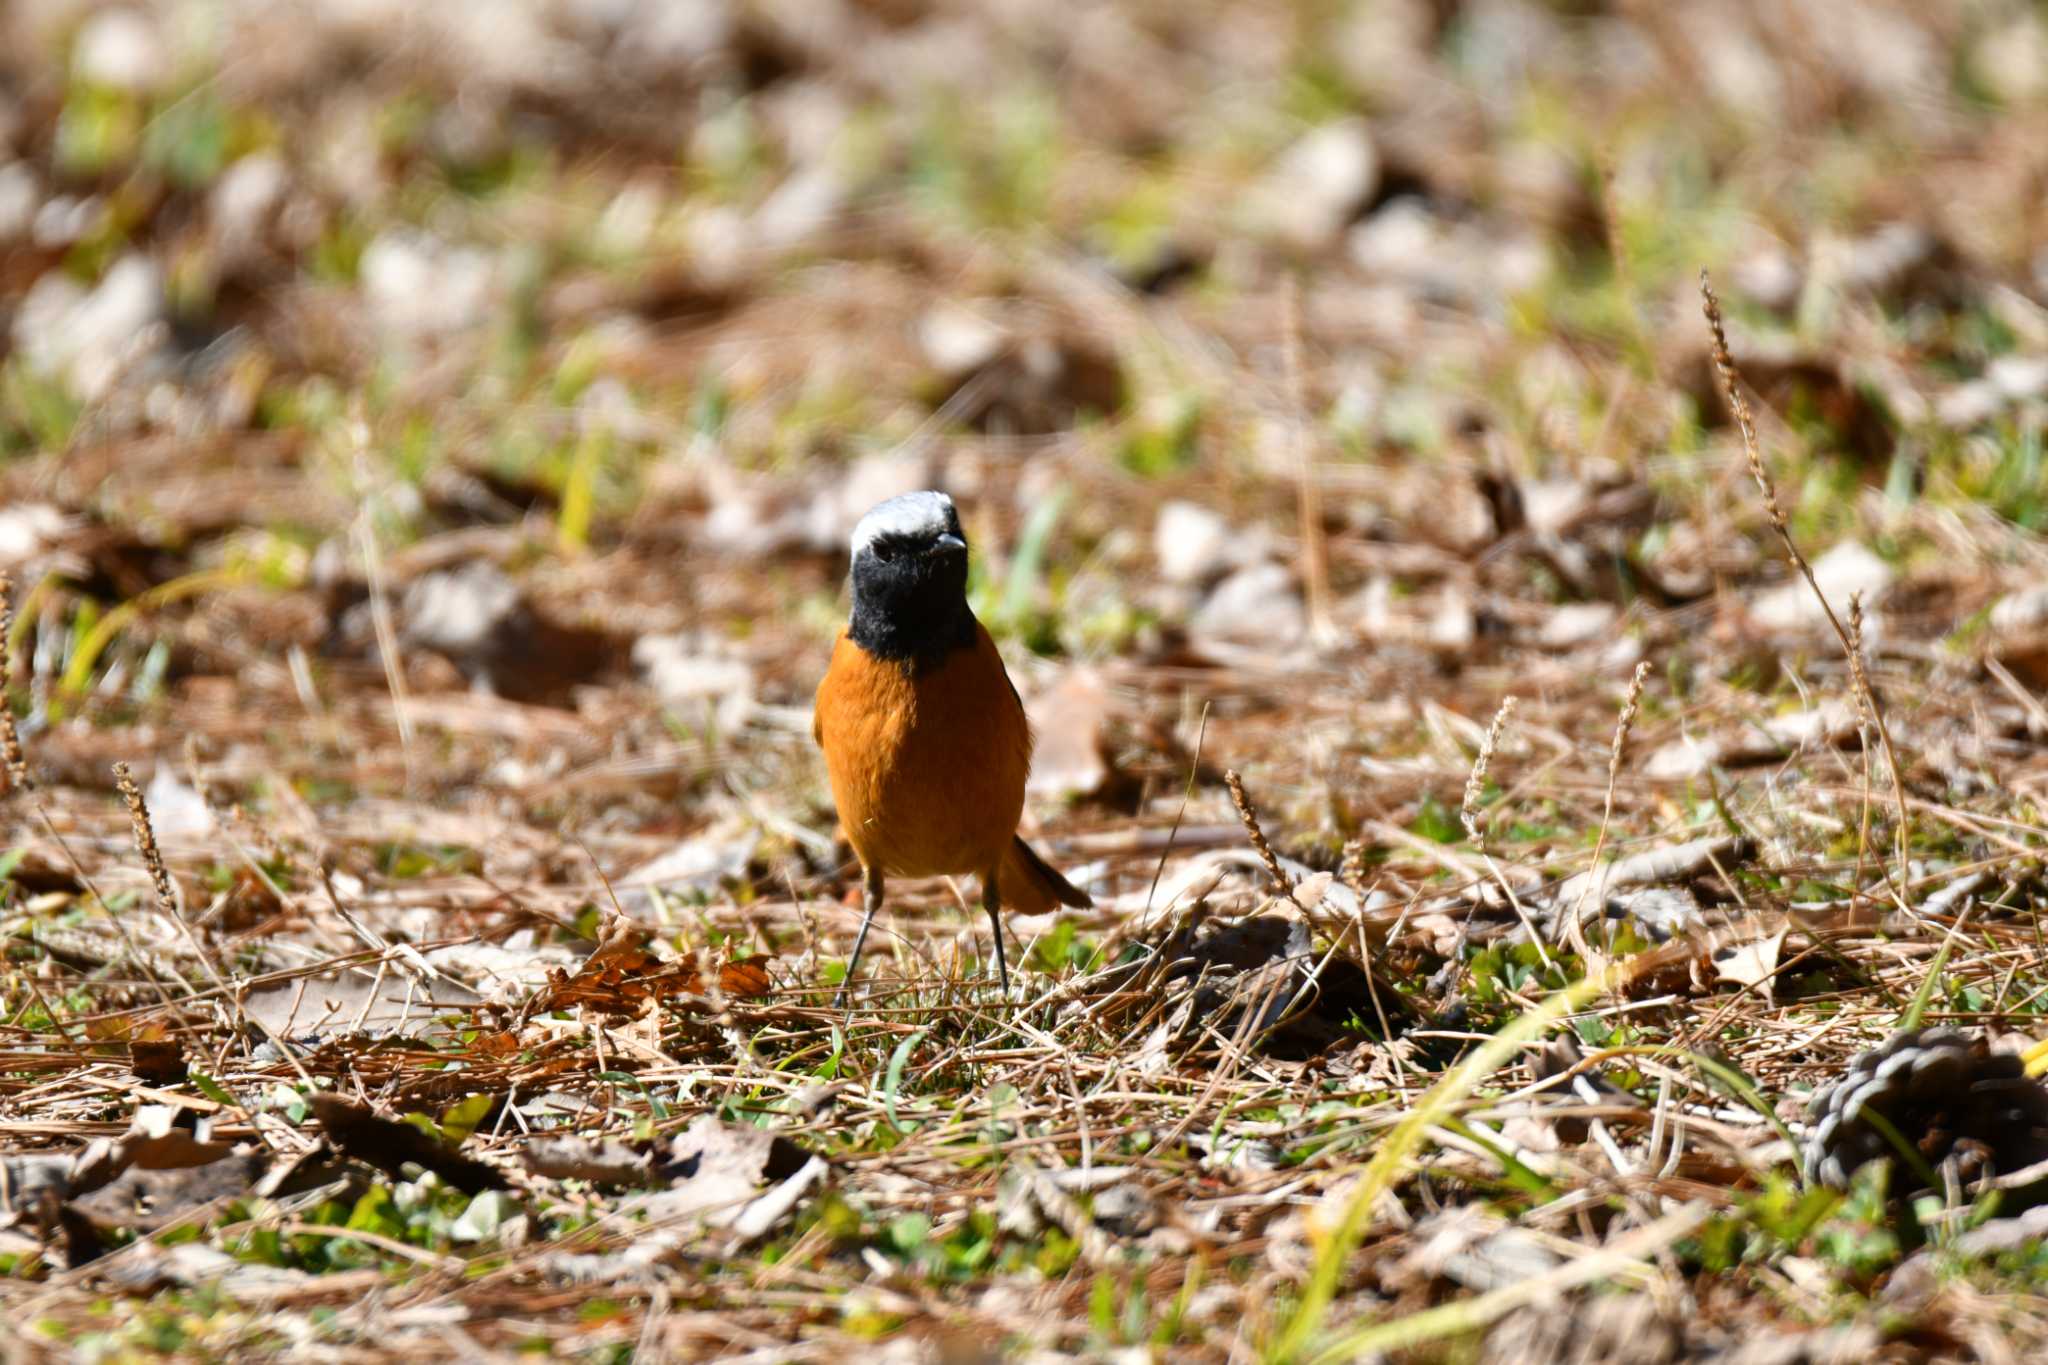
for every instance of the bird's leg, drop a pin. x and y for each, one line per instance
(871, 901)
(993, 904)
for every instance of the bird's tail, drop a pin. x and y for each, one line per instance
(1028, 885)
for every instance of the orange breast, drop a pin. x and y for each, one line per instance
(927, 770)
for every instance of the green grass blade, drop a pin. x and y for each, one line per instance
(892, 1080)
(1406, 1136)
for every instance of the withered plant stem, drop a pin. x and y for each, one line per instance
(1731, 392)
(1468, 815)
(159, 874)
(1631, 707)
(1315, 556)
(145, 839)
(1475, 782)
(1624, 260)
(1252, 831)
(1861, 688)
(10, 738)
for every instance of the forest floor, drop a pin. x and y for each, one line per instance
(428, 441)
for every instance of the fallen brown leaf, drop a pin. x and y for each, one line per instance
(389, 1144)
(624, 977)
(600, 1162)
(1753, 962)
(158, 1061)
(1069, 720)
(741, 1180)
(355, 1001)
(149, 1199)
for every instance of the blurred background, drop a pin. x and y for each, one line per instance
(537, 357)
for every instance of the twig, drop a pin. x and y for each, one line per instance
(390, 1245)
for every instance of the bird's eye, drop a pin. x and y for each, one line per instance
(884, 551)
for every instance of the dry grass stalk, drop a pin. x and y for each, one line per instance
(1252, 831)
(1315, 556)
(145, 839)
(1475, 783)
(1860, 689)
(1624, 261)
(1631, 707)
(159, 874)
(1468, 815)
(1351, 864)
(1731, 392)
(10, 739)
(148, 964)
(382, 619)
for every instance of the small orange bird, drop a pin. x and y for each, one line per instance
(924, 736)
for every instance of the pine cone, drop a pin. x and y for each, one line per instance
(1945, 1092)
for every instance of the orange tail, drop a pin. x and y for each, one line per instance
(1028, 885)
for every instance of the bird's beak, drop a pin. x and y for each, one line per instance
(947, 544)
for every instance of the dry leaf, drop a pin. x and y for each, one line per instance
(1068, 719)
(499, 1043)
(1754, 963)
(1305, 999)
(153, 1142)
(624, 977)
(600, 1162)
(146, 1200)
(705, 862)
(356, 1002)
(389, 1144)
(193, 1264)
(26, 1179)
(157, 1061)
(1475, 1248)
(1830, 723)
(742, 1180)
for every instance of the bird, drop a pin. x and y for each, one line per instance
(926, 743)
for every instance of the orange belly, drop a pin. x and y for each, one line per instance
(928, 769)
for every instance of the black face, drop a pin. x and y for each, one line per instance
(910, 581)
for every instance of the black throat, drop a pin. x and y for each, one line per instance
(913, 613)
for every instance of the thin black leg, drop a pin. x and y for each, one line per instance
(991, 903)
(871, 901)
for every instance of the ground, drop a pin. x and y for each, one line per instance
(1512, 787)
